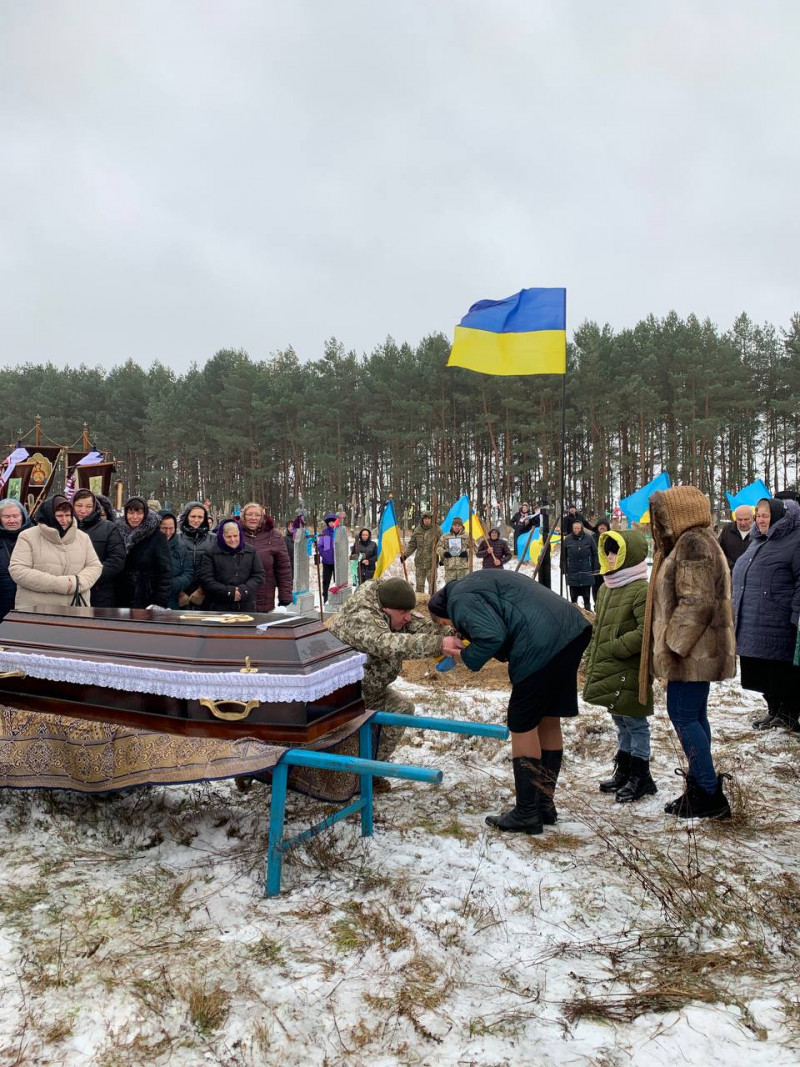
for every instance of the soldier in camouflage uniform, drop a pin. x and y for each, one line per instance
(422, 540)
(455, 557)
(379, 619)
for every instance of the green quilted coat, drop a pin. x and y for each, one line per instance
(612, 661)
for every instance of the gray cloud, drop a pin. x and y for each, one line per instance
(182, 177)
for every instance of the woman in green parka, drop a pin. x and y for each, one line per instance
(612, 662)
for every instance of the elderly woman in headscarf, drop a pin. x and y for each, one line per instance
(13, 520)
(270, 547)
(53, 563)
(766, 604)
(107, 541)
(230, 571)
(147, 576)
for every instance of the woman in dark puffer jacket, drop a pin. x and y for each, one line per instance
(194, 532)
(147, 576)
(230, 571)
(107, 541)
(766, 605)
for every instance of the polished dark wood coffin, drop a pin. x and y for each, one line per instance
(273, 677)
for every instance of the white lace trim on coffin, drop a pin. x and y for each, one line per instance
(189, 685)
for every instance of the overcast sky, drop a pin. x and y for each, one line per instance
(183, 176)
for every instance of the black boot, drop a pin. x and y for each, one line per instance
(703, 805)
(622, 772)
(772, 719)
(551, 767)
(681, 805)
(526, 815)
(640, 784)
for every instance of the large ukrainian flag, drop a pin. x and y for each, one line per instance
(523, 334)
(389, 545)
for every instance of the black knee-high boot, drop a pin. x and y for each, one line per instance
(526, 815)
(551, 768)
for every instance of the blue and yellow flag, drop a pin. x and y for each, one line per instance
(389, 546)
(751, 494)
(636, 507)
(459, 511)
(524, 334)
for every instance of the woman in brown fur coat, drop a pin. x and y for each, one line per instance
(689, 635)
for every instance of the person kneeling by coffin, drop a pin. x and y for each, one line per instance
(509, 617)
(379, 619)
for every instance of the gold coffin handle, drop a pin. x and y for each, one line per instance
(13, 674)
(229, 716)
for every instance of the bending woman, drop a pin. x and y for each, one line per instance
(506, 616)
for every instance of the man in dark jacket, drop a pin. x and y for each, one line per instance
(147, 576)
(509, 617)
(580, 563)
(735, 538)
(107, 541)
(572, 515)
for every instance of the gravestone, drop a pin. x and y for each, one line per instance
(341, 587)
(302, 596)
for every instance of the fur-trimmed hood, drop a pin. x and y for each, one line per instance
(150, 524)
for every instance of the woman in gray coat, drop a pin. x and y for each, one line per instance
(766, 605)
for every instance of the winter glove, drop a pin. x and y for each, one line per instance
(403, 557)
(447, 555)
(463, 555)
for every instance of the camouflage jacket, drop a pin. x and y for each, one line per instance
(362, 624)
(422, 541)
(444, 546)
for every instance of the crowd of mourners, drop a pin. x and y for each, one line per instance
(707, 598)
(80, 553)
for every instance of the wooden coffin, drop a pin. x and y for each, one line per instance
(273, 677)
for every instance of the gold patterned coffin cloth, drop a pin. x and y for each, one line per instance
(54, 752)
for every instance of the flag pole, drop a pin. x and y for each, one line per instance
(563, 468)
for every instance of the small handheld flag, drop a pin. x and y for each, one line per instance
(523, 334)
(389, 546)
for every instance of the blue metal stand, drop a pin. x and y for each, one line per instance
(363, 766)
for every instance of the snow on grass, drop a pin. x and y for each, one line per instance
(135, 931)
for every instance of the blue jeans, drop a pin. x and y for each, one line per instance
(687, 706)
(633, 735)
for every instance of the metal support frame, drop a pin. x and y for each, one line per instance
(363, 766)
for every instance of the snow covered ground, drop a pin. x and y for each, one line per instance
(135, 931)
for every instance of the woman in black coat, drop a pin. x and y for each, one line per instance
(230, 571)
(766, 607)
(147, 576)
(523, 522)
(194, 532)
(13, 520)
(580, 562)
(366, 552)
(107, 541)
